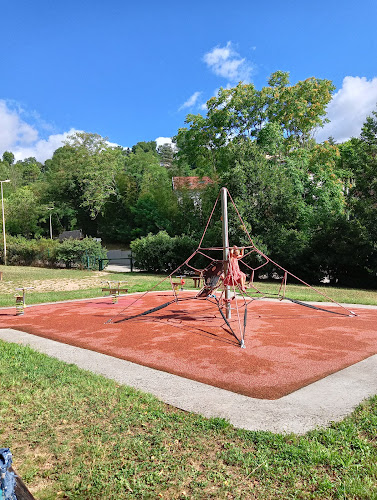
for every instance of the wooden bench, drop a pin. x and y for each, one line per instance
(196, 280)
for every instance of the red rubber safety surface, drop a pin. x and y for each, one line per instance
(288, 346)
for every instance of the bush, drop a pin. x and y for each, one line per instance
(51, 253)
(84, 252)
(160, 252)
(24, 252)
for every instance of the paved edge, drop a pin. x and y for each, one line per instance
(314, 406)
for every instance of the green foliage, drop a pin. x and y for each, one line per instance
(160, 252)
(24, 212)
(342, 252)
(47, 252)
(359, 161)
(30, 170)
(145, 147)
(8, 157)
(81, 176)
(293, 194)
(166, 154)
(270, 139)
(240, 113)
(24, 252)
(364, 189)
(77, 252)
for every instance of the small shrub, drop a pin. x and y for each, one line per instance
(80, 252)
(161, 252)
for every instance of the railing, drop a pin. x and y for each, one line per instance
(102, 263)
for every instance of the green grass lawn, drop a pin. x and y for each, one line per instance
(76, 435)
(54, 282)
(14, 277)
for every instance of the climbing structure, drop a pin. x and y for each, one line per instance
(220, 287)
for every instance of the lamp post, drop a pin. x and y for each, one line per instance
(50, 208)
(2, 208)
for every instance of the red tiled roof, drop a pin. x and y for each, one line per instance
(193, 182)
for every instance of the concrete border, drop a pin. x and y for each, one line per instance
(313, 406)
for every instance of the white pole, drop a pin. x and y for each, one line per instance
(50, 208)
(224, 214)
(2, 208)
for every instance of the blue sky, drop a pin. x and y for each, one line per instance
(132, 71)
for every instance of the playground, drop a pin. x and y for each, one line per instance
(261, 360)
(287, 346)
(227, 334)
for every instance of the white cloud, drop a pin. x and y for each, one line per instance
(23, 139)
(42, 149)
(191, 101)
(110, 144)
(160, 141)
(226, 62)
(349, 108)
(13, 130)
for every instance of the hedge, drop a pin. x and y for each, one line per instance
(161, 252)
(45, 252)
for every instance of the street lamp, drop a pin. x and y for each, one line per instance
(50, 208)
(2, 208)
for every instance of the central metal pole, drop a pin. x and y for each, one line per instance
(224, 218)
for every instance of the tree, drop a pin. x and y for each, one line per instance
(145, 147)
(166, 154)
(259, 143)
(369, 133)
(299, 108)
(82, 176)
(24, 212)
(239, 114)
(8, 158)
(361, 157)
(143, 201)
(270, 139)
(29, 170)
(8, 171)
(155, 208)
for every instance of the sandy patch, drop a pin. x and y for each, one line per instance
(55, 285)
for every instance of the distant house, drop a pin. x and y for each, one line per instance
(193, 184)
(75, 235)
